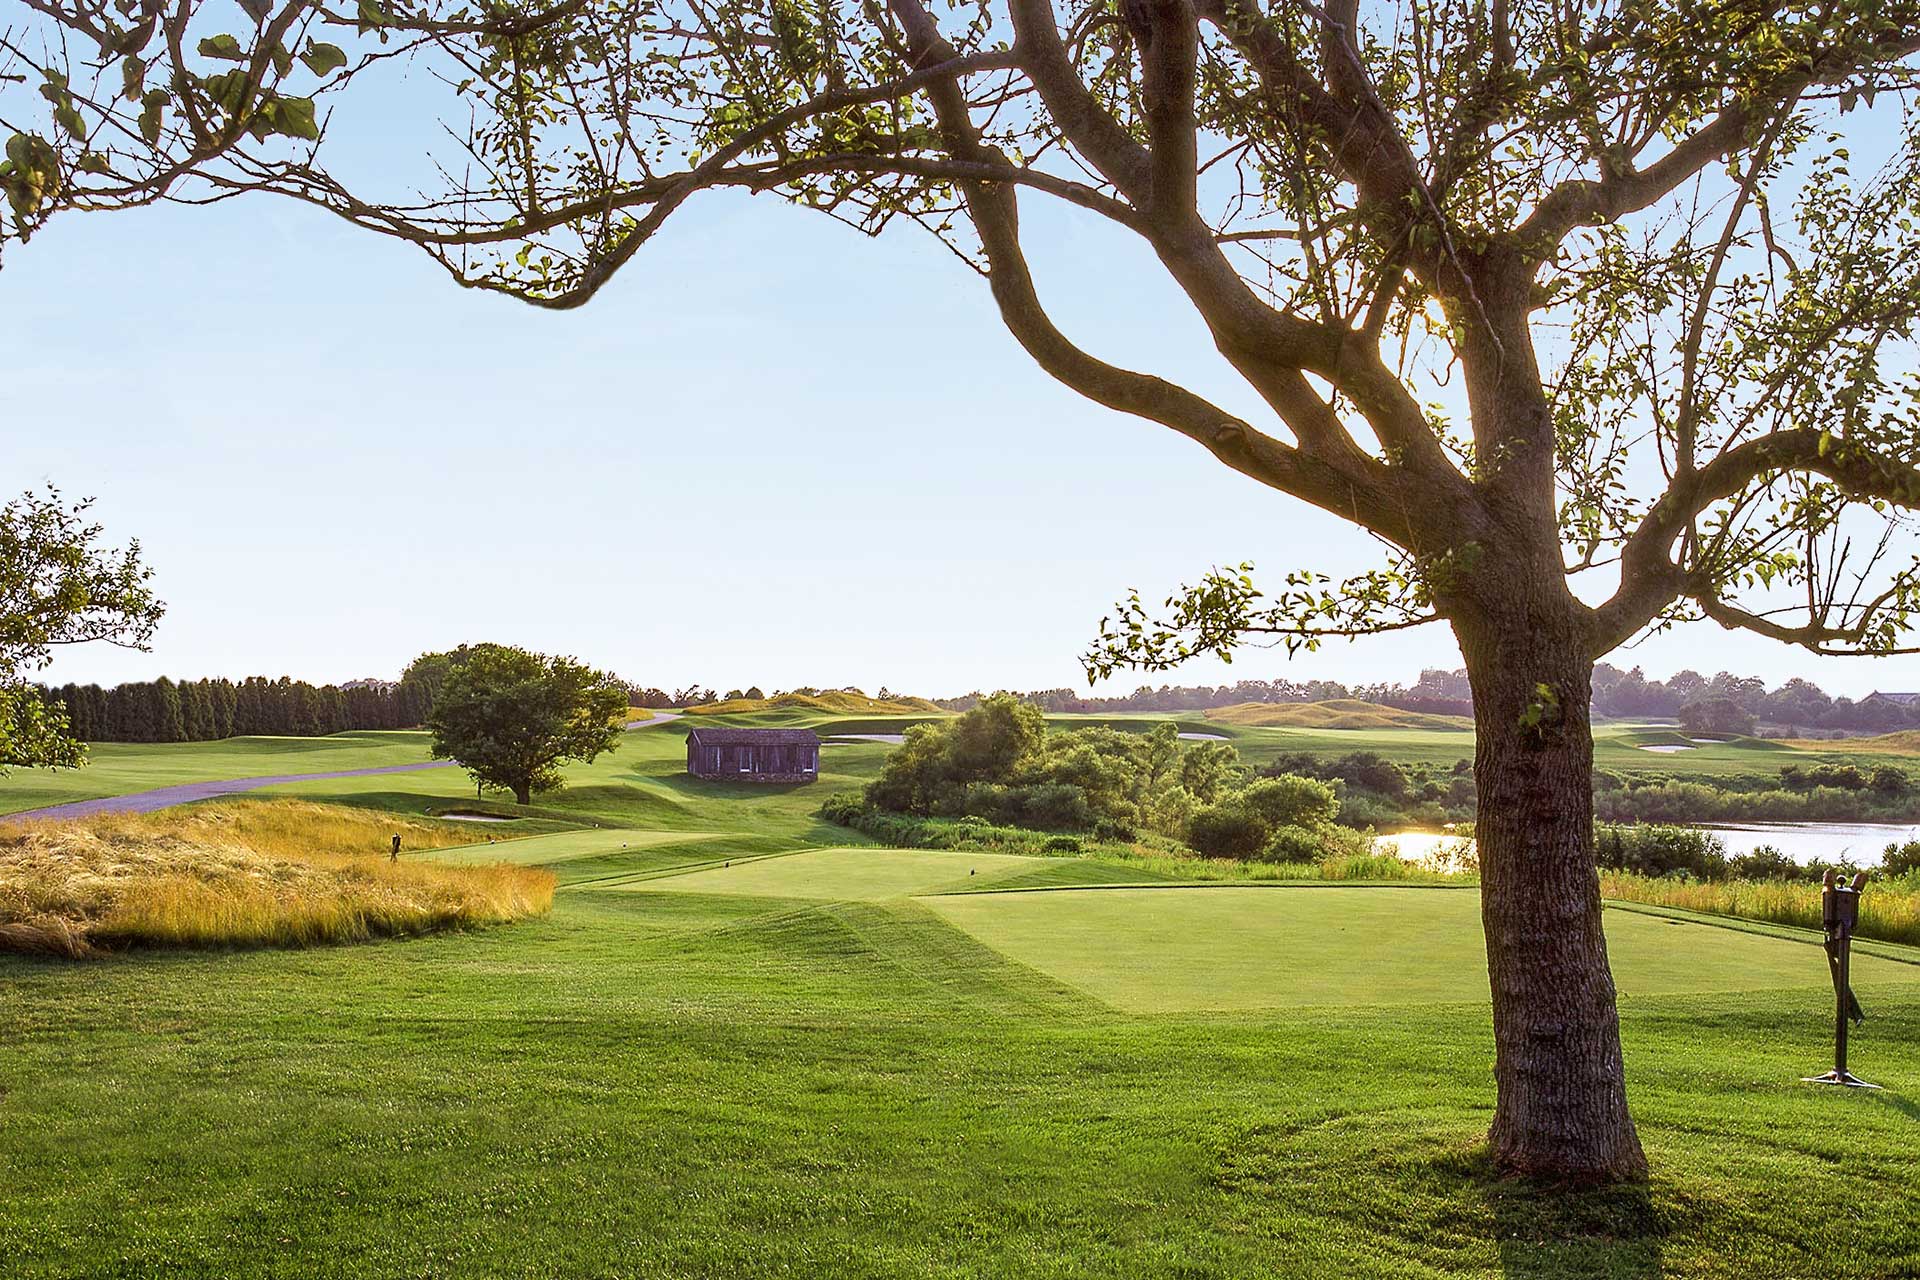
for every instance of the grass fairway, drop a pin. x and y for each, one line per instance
(1173, 950)
(849, 874)
(726, 1085)
(117, 768)
(826, 1076)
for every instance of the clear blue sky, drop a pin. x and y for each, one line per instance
(772, 452)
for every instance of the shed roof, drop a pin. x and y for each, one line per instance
(715, 736)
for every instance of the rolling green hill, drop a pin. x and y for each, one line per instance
(1340, 713)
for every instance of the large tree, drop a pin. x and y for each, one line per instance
(511, 718)
(59, 586)
(1575, 306)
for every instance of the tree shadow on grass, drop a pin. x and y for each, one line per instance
(1398, 1183)
(1895, 1102)
(1560, 1233)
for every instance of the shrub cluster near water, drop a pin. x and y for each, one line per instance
(1375, 791)
(243, 874)
(998, 763)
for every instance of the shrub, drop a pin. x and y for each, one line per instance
(1228, 830)
(1291, 843)
(1764, 863)
(1890, 781)
(1654, 850)
(1061, 845)
(1900, 859)
(1290, 800)
(842, 808)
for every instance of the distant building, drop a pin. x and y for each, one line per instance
(753, 755)
(369, 682)
(1905, 701)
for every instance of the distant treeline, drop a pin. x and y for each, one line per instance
(1795, 705)
(164, 710)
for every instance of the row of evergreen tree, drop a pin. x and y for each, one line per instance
(203, 710)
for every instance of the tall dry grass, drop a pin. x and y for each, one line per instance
(261, 873)
(1889, 911)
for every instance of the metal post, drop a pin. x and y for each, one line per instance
(1840, 1010)
(1839, 912)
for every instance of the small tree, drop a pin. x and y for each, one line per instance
(1715, 715)
(59, 587)
(511, 718)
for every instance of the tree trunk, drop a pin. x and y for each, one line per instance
(1562, 1112)
(523, 792)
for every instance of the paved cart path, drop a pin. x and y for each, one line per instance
(185, 793)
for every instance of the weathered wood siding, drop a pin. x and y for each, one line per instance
(754, 762)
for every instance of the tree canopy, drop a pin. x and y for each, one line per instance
(1634, 225)
(59, 586)
(511, 718)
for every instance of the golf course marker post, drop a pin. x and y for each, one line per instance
(1839, 914)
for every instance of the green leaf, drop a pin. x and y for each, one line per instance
(93, 162)
(152, 112)
(69, 119)
(224, 47)
(295, 118)
(322, 58)
(133, 78)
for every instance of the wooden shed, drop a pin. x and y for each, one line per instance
(753, 755)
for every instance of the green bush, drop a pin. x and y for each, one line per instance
(1655, 850)
(1764, 863)
(1228, 830)
(1289, 800)
(1296, 844)
(1900, 859)
(999, 763)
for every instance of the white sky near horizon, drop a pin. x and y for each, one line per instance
(772, 452)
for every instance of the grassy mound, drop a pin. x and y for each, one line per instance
(832, 701)
(1904, 743)
(1340, 713)
(244, 874)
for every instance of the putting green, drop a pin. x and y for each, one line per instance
(842, 874)
(1192, 949)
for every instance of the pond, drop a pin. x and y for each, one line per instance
(1802, 841)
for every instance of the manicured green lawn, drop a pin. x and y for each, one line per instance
(811, 1072)
(1168, 950)
(850, 874)
(680, 1084)
(120, 767)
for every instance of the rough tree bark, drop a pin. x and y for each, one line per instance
(1562, 1109)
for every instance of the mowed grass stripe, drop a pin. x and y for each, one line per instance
(850, 873)
(557, 847)
(1245, 948)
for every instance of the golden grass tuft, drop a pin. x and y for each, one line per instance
(833, 701)
(1888, 912)
(1904, 743)
(257, 873)
(1338, 713)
